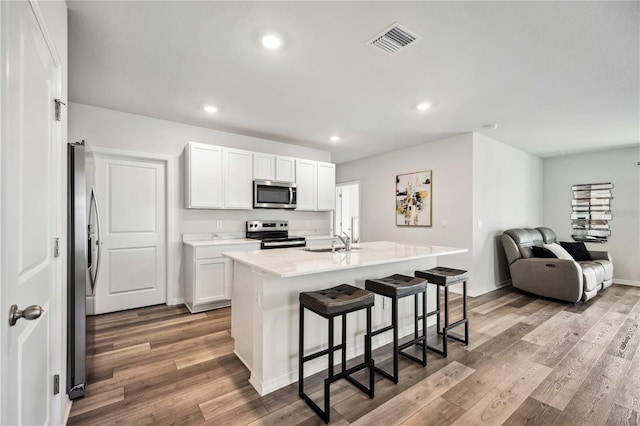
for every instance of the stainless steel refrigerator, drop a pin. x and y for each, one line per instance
(83, 260)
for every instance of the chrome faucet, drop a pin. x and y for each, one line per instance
(346, 241)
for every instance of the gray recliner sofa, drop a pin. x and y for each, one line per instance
(561, 279)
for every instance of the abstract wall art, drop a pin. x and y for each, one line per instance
(413, 199)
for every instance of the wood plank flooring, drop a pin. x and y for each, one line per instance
(530, 361)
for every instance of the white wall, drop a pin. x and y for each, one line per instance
(450, 161)
(618, 167)
(474, 178)
(507, 193)
(111, 129)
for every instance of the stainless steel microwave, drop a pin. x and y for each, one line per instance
(268, 194)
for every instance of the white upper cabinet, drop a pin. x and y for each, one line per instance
(316, 183)
(222, 178)
(285, 169)
(203, 176)
(264, 166)
(238, 179)
(306, 174)
(326, 189)
(218, 178)
(274, 167)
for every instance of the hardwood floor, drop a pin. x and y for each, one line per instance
(530, 361)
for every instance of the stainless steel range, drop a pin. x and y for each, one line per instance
(273, 234)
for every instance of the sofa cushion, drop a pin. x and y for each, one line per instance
(590, 281)
(608, 268)
(543, 252)
(548, 236)
(577, 250)
(522, 237)
(558, 251)
(604, 265)
(597, 269)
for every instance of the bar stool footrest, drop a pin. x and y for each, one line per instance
(413, 358)
(320, 353)
(435, 350)
(458, 339)
(381, 330)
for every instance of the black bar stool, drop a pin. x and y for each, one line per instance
(445, 277)
(330, 303)
(396, 287)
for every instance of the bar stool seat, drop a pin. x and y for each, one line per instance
(330, 303)
(396, 287)
(337, 300)
(445, 277)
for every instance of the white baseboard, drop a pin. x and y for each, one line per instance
(176, 301)
(479, 292)
(90, 305)
(67, 411)
(626, 282)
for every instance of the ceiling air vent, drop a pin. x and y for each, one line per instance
(393, 39)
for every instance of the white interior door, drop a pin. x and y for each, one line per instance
(131, 194)
(31, 199)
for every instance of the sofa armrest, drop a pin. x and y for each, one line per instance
(556, 278)
(600, 255)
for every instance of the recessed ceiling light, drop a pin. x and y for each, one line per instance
(334, 138)
(491, 126)
(271, 41)
(423, 106)
(211, 109)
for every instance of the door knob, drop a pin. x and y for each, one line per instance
(29, 313)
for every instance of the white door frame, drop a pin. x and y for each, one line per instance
(170, 207)
(335, 212)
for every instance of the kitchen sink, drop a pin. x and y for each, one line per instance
(328, 249)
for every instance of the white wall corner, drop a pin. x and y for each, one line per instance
(176, 301)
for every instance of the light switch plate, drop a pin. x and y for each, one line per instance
(443, 223)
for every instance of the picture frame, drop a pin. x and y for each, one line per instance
(414, 199)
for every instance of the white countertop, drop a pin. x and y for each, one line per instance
(226, 241)
(221, 242)
(298, 262)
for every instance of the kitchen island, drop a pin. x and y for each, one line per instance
(264, 313)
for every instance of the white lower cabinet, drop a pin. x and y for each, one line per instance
(213, 280)
(208, 275)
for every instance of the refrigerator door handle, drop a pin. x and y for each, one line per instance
(94, 205)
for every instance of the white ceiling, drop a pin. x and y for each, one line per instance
(559, 77)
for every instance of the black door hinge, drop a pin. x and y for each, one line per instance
(58, 107)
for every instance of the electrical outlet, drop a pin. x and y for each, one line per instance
(479, 224)
(219, 224)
